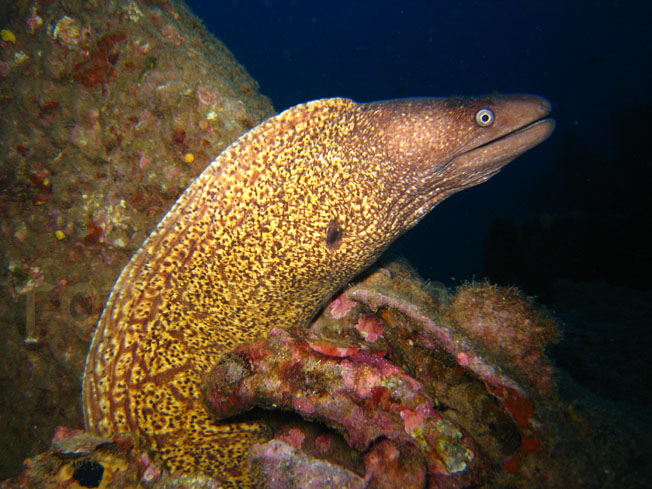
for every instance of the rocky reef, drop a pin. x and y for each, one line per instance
(398, 384)
(457, 386)
(109, 110)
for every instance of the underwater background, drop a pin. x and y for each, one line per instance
(567, 223)
(591, 59)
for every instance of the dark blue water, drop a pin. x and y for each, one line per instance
(592, 59)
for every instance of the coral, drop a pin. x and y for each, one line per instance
(425, 333)
(356, 392)
(508, 327)
(281, 466)
(390, 345)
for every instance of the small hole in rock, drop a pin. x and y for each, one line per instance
(88, 473)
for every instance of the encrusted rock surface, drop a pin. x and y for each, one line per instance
(109, 109)
(383, 366)
(459, 385)
(358, 393)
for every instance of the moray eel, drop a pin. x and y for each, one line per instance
(282, 219)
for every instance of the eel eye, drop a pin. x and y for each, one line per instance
(485, 117)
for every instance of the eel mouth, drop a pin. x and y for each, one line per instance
(508, 146)
(538, 131)
(479, 163)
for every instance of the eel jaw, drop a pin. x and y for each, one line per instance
(478, 164)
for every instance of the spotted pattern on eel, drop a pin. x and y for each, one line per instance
(283, 218)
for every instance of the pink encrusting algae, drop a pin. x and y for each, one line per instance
(363, 396)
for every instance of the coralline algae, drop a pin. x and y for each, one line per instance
(396, 360)
(361, 395)
(418, 393)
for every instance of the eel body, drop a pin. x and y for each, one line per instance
(281, 220)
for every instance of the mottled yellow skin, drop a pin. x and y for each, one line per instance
(266, 234)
